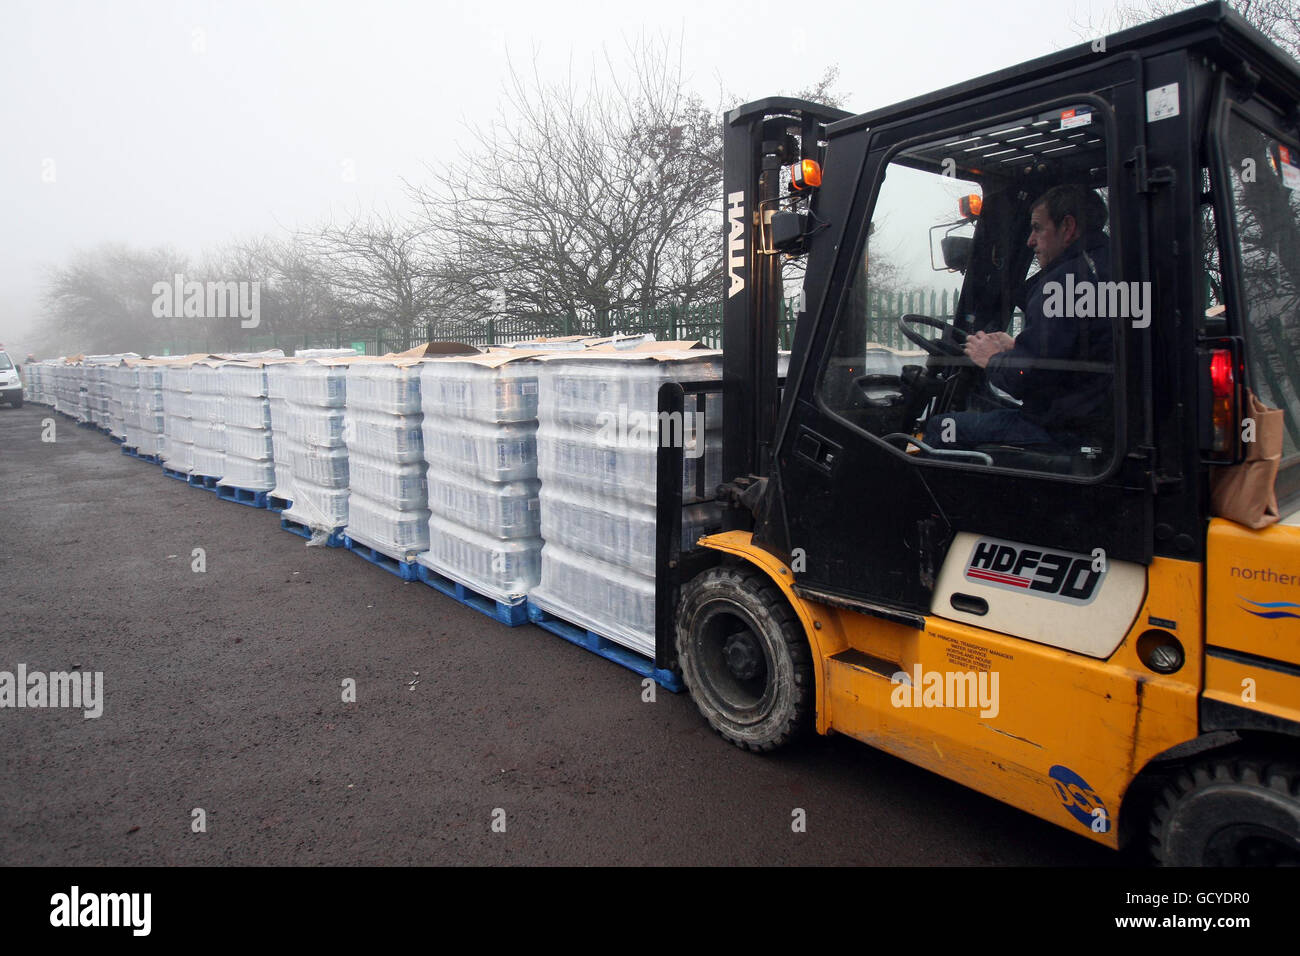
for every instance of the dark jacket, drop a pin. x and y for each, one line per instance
(1063, 400)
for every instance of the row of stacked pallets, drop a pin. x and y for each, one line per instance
(521, 481)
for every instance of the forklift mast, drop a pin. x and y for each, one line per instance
(760, 139)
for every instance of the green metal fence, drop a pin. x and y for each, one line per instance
(699, 321)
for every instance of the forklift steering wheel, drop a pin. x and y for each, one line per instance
(941, 346)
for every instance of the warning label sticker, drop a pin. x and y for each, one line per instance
(1162, 103)
(1076, 117)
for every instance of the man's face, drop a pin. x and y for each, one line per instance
(1046, 238)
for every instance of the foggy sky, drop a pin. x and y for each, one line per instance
(191, 123)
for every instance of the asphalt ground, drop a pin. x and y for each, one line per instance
(222, 693)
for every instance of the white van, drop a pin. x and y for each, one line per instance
(11, 386)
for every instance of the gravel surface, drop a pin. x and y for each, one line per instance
(222, 692)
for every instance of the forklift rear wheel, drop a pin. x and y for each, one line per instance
(744, 658)
(1230, 812)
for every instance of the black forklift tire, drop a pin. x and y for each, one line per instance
(18, 403)
(737, 609)
(1225, 811)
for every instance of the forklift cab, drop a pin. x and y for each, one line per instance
(1040, 519)
(1043, 445)
(991, 178)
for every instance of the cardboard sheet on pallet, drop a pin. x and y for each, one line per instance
(493, 358)
(569, 343)
(251, 356)
(430, 350)
(151, 361)
(188, 359)
(435, 349)
(546, 343)
(652, 351)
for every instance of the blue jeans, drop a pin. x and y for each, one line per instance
(1002, 426)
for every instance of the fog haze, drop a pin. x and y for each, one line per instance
(189, 124)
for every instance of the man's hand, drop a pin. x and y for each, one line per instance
(982, 346)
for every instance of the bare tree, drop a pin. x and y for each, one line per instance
(102, 300)
(380, 270)
(587, 200)
(294, 292)
(302, 298)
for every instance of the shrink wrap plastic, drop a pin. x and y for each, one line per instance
(305, 402)
(480, 442)
(597, 445)
(387, 508)
(246, 415)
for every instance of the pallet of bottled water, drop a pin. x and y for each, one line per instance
(387, 502)
(121, 401)
(246, 410)
(306, 404)
(597, 451)
(207, 421)
(178, 427)
(480, 443)
(146, 422)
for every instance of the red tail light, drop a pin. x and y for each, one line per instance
(1223, 387)
(1221, 377)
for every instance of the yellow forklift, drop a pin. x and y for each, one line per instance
(982, 540)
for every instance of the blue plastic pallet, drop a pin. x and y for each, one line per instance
(606, 648)
(178, 475)
(402, 569)
(277, 504)
(511, 615)
(301, 530)
(208, 482)
(135, 453)
(242, 496)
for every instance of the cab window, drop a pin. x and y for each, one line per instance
(1264, 180)
(980, 325)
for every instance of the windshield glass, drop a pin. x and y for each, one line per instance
(5, 363)
(992, 236)
(1265, 179)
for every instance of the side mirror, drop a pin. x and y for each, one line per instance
(956, 251)
(788, 231)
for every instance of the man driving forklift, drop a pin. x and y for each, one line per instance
(1047, 366)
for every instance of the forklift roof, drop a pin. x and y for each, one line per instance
(1216, 27)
